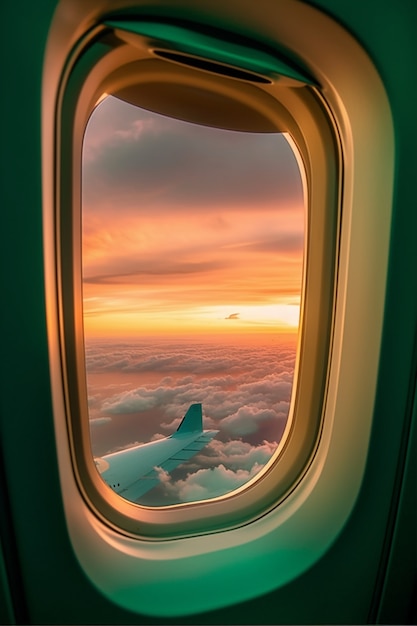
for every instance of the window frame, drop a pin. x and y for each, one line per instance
(98, 69)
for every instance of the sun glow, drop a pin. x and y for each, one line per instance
(224, 319)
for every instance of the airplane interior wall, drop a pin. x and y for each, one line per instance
(368, 575)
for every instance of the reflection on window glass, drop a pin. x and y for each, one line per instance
(192, 249)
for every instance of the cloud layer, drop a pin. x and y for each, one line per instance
(245, 392)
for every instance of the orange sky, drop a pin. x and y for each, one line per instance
(188, 230)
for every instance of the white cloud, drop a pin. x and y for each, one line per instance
(235, 454)
(99, 421)
(207, 483)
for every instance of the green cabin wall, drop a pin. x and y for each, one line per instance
(349, 584)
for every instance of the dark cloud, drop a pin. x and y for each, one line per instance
(138, 157)
(152, 267)
(277, 243)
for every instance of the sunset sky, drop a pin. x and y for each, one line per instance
(192, 267)
(187, 229)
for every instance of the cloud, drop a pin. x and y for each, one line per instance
(240, 411)
(277, 243)
(205, 483)
(157, 436)
(126, 446)
(153, 267)
(146, 388)
(246, 420)
(245, 391)
(171, 357)
(99, 421)
(135, 155)
(234, 454)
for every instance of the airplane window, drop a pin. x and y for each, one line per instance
(192, 255)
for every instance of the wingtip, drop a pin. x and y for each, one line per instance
(193, 419)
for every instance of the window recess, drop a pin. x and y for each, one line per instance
(217, 79)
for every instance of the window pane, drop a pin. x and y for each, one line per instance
(192, 249)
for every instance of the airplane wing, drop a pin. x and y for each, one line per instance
(131, 473)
